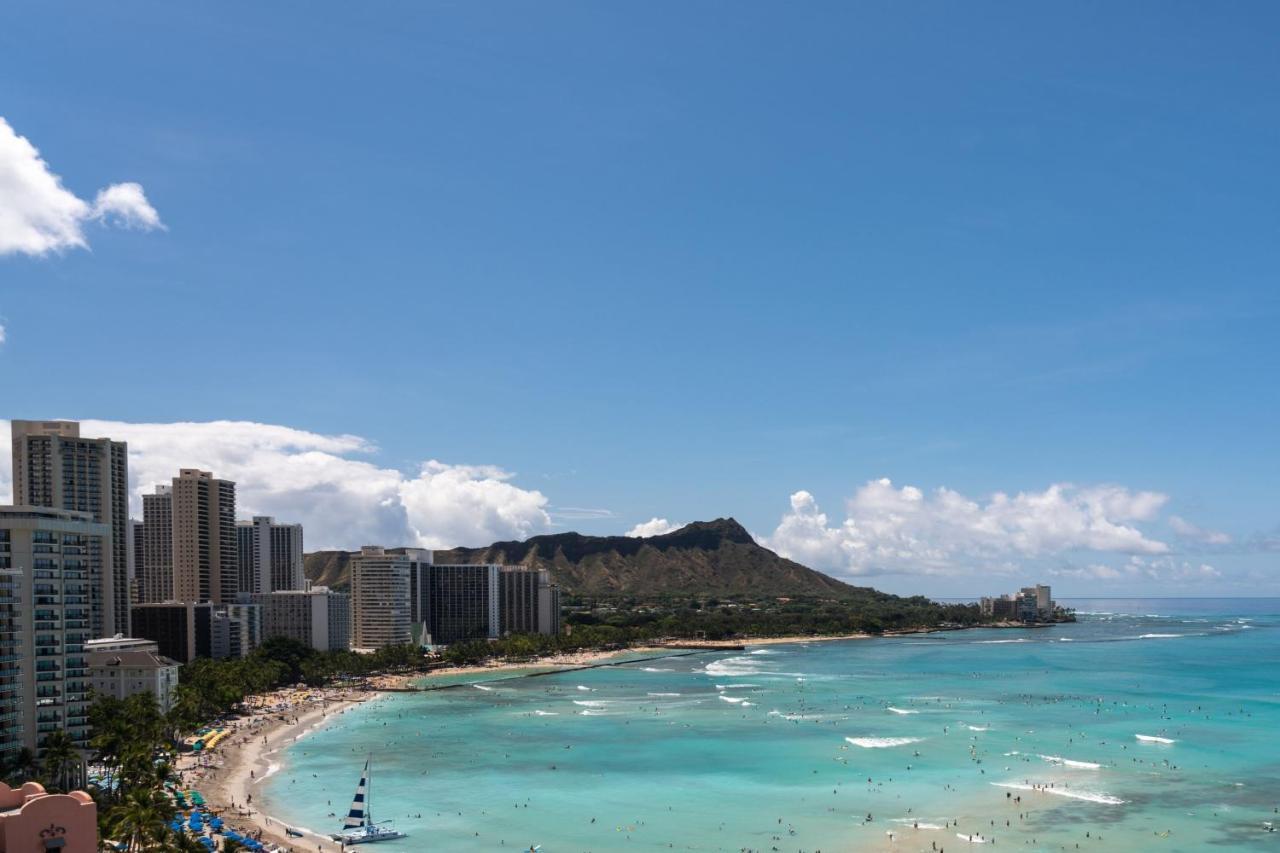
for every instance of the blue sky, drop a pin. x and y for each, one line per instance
(679, 261)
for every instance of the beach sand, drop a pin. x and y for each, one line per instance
(228, 776)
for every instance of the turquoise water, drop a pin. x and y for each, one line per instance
(793, 747)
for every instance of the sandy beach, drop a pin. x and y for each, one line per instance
(228, 775)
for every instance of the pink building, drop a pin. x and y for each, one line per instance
(32, 821)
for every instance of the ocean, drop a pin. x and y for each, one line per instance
(1150, 724)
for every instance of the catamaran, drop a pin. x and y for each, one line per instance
(359, 827)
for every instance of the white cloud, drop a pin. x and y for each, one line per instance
(1162, 569)
(902, 530)
(38, 215)
(653, 527)
(126, 205)
(1188, 530)
(328, 483)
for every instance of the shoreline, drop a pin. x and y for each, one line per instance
(228, 776)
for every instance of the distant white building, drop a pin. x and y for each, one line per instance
(122, 667)
(318, 616)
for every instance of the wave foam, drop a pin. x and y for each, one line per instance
(1087, 796)
(1067, 762)
(900, 710)
(733, 699)
(1159, 636)
(541, 713)
(591, 703)
(972, 839)
(663, 694)
(882, 742)
(1154, 739)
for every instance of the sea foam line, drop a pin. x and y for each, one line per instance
(882, 742)
(1087, 796)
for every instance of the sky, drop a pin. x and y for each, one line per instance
(939, 298)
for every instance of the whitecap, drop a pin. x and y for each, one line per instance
(664, 694)
(978, 728)
(733, 699)
(1159, 636)
(972, 839)
(1087, 796)
(587, 689)
(654, 669)
(481, 687)
(542, 713)
(900, 710)
(882, 742)
(1067, 762)
(997, 642)
(591, 703)
(1154, 739)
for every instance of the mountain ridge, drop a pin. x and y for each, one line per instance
(703, 558)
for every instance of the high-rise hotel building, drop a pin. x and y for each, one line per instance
(380, 598)
(155, 562)
(270, 555)
(205, 547)
(49, 558)
(11, 628)
(53, 466)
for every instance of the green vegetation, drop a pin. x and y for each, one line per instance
(617, 623)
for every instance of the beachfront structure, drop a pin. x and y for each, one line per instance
(339, 620)
(185, 630)
(123, 666)
(11, 722)
(528, 602)
(155, 566)
(32, 820)
(380, 597)
(460, 602)
(205, 553)
(55, 554)
(1029, 604)
(270, 555)
(235, 630)
(54, 466)
(317, 616)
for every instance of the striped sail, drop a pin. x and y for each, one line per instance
(358, 816)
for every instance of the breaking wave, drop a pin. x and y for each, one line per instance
(1087, 796)
(882, 742)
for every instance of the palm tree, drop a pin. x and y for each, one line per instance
(140, 819)
(61, 759)
(21, 768)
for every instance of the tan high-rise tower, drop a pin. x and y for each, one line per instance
(53, 466)
(155, 569)
(205, 560)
